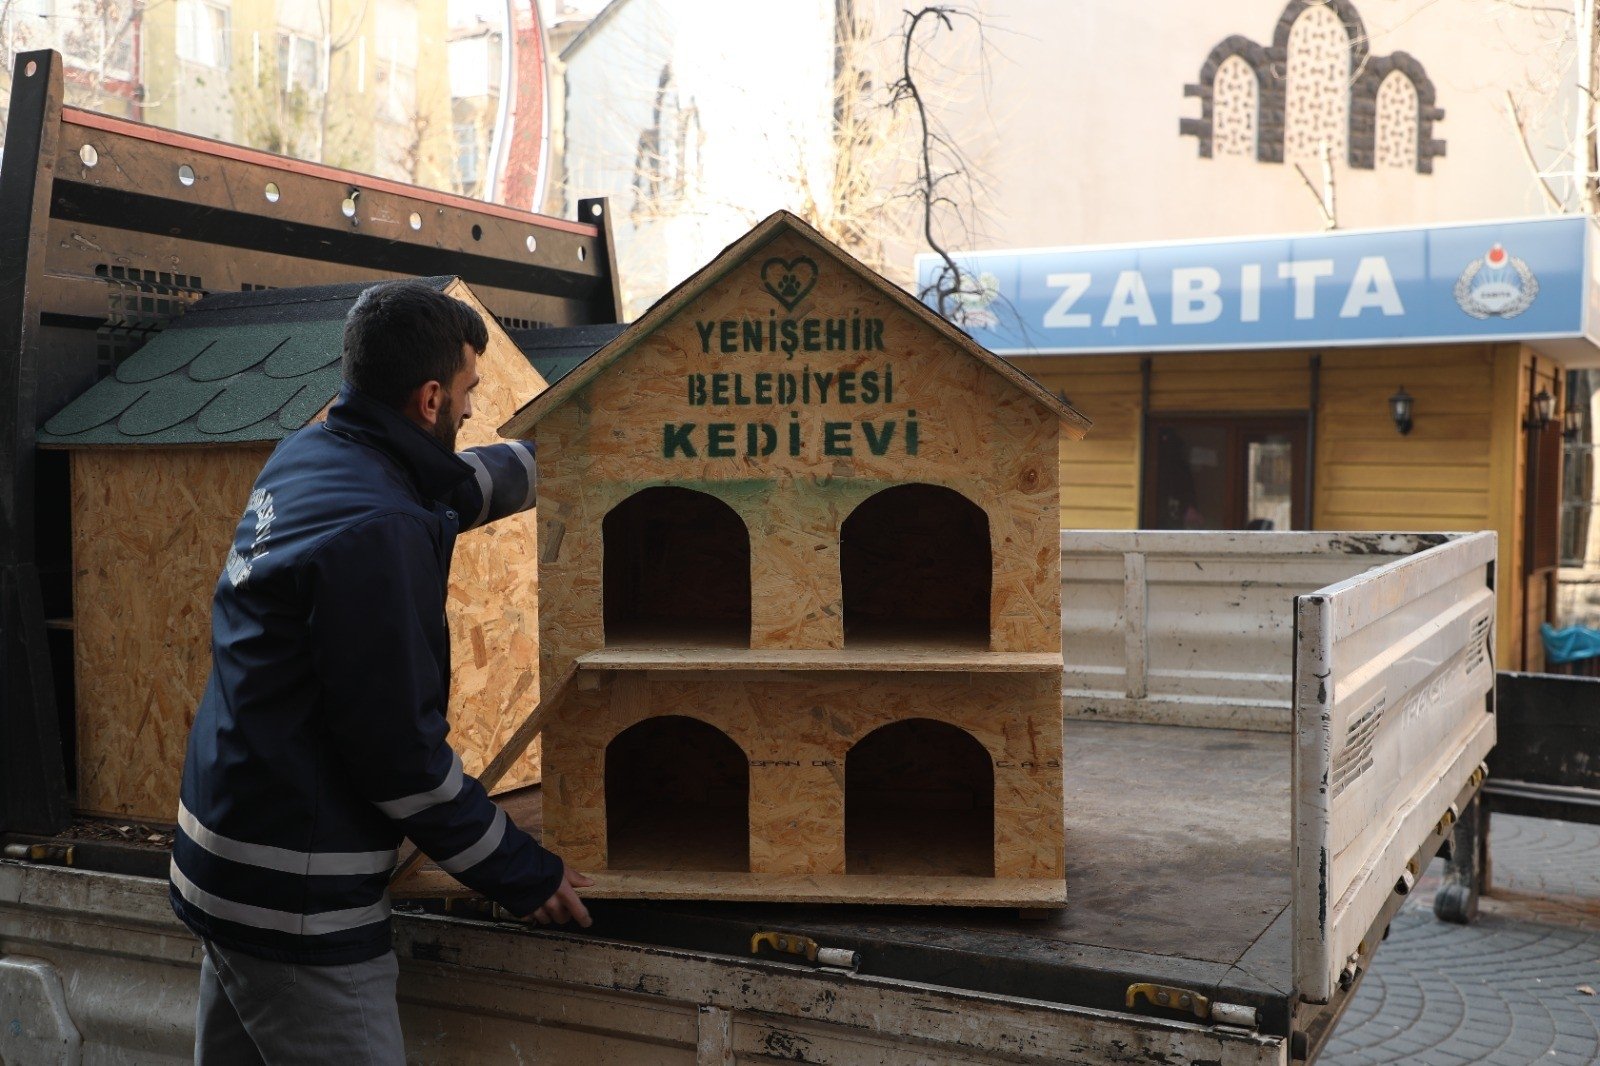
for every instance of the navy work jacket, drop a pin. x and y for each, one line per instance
(320, 741)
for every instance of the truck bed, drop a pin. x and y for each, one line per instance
(1255, 868)
(1178, 872)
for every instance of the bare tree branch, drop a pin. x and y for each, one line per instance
(1527, 153)
(1316, 194)
(948, 280)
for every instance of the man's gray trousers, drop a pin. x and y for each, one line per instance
(257, 1011)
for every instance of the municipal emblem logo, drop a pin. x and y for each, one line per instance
(1498, 284)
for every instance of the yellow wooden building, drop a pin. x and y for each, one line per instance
(1254, 383)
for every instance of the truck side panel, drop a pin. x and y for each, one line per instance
(1194, 628)
(1394, 702)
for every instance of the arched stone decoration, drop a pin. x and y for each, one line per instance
(1236, 105)
(1317, 81)
(1396, 123)
(1316, 87)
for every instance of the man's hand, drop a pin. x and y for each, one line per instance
(565, 906)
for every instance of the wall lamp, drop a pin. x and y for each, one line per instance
(1541, 411)
(1400, 410)
(1572, 423)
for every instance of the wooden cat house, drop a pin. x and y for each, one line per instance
(163, 452)
(800, 586)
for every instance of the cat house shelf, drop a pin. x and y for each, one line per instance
(930, 889)
(887, 657)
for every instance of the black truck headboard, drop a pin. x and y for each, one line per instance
(108, 230)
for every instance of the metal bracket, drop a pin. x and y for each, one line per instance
(1202, 1007)
(62, 854)
(1453, 812)
(804, 946)
(1352, 968)
(1407, 880)
(1169, 996)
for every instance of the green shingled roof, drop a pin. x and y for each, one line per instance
(237, 367)
(555, 351)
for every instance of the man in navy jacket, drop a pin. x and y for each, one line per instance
(320, 741)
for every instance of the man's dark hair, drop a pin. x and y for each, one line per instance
(403, 333)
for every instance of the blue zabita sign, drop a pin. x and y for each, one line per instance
(1521, 279)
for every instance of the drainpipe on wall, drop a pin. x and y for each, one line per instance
(1311, 440)
(1583, 17)
(1144, 433)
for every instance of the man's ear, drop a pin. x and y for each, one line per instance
(424, 404)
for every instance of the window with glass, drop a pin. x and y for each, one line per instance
(1580, 496)
(1217, 471)
(399, 52)
(299, 63)
(466, 138)
(203, 30)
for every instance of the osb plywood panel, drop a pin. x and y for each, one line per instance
(768, 433)
(494, 585)
(494, 644)
(796, 729)
(150, 528)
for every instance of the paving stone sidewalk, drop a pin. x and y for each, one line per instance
(1508, 988)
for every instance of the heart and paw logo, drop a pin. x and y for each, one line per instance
(789, 280)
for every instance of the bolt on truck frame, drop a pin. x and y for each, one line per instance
(1269, 735)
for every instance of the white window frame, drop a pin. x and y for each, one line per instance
(217, 24)
(289, 40)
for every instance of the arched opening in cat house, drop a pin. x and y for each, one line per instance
(677, 798)
(919, 799)
(915, 565)
(676, 570)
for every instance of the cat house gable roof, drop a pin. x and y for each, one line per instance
(738, 254)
